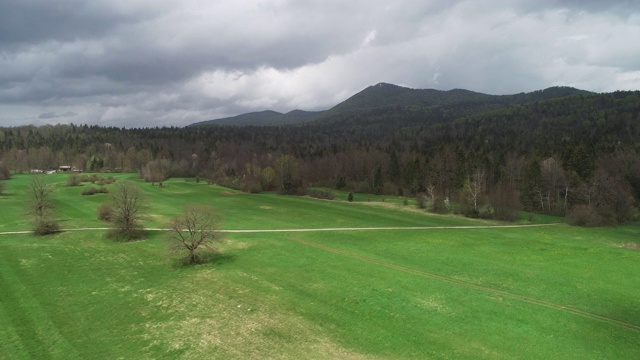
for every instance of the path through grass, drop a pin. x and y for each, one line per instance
(476, 293)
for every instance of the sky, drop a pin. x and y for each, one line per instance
(148, 63)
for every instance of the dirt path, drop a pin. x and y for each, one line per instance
(240, 231)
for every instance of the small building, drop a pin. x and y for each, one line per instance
(64, 168)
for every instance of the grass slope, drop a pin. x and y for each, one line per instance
(441, 293)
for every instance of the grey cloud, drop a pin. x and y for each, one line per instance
(622, 8)
(53, 115)
(169, 63)
(37, 21)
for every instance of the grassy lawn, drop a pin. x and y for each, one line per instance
(544, 292)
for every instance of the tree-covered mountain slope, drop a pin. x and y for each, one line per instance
(428, 104)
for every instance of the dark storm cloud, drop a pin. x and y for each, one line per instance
(35, 21)
(155, 62)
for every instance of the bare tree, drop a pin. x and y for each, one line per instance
(5, 172)
(156, 171)
(554, 186)
(431, 194)
(474, 187)
(505, 201)
(128, 203)
(41, 206)
(194, 232)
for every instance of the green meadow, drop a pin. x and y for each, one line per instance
(476, 292)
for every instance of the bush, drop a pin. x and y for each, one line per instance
(487, 212)
(74, 180)
(350, 197)
(46, 227)
(252, 187)
(584, 215)
(126, 235)
(421, 201)
(93, 191)
(5, 173)
(105, 212)
(321, 194)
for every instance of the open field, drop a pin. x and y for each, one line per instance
(493, 293)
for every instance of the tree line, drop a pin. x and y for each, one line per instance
(575, 156)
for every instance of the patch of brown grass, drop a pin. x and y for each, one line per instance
(632, 246)
(232, 322)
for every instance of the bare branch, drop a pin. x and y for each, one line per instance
(193, 230)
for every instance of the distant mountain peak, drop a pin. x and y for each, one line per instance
(390, 96)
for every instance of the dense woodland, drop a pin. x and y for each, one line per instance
(560, 151)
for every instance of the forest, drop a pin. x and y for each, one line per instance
(559, 151)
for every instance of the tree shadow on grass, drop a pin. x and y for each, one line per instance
(119, 235)
(208, 258)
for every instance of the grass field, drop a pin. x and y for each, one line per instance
(483, 293)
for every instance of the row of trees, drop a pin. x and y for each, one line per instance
(550, 156)
(544, 185)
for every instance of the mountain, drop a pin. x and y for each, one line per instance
(384, 95)
(392, 96)
(388, 98)
(264, 118)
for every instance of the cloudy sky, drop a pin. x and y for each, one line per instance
(162, 62)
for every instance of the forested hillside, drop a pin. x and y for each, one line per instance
(381, 97)
(558, 151)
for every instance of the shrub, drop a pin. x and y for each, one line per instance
(252, 186)
(487, 212)
(106, 181)
(105, 212)
(5, 173)
(584, 215)
(421, 201)
(350, 197)
(439, 206)
(93, 191)
(46, 227)
(321, 194)
(74, 180)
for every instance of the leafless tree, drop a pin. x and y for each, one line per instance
(40, 193)
(41, 206)
(128, 204)
(554, 186)
(474, 187)
(431, 194)
(156, 171)
(194, 232)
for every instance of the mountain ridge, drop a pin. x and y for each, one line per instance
(389, 96)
